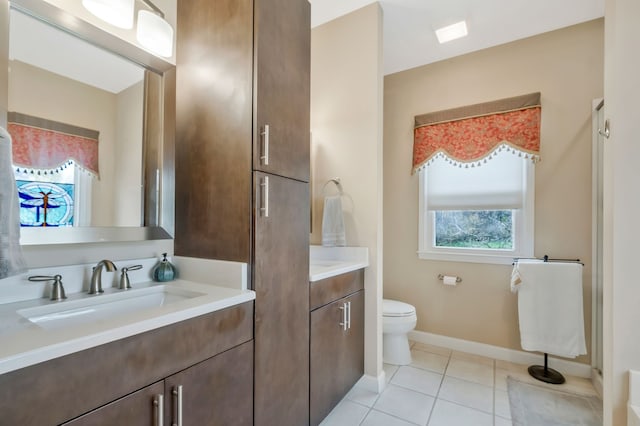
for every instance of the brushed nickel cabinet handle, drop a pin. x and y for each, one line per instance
(177, 397)
(264, 210)
(345, 322)
(158, 412)
(265, 150)
(349, 315)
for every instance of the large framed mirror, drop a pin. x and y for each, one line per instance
(106, 110)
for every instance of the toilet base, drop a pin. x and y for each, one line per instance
(395, 349)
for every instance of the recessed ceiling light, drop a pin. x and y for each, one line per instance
(452, 32)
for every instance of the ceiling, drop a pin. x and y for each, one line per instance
(43, 46)
(408, 25)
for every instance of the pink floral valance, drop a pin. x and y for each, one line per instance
(470, 134)
(42, 144)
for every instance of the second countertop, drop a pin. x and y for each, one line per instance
(326, 262)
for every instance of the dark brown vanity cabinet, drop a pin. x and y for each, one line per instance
(242, 172)
(215, 392)
(337, 341)
(123, 382)
(242, 104)
(144, 407)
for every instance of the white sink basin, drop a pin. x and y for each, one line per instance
(105, 306)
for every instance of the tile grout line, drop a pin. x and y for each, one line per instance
(435, 400)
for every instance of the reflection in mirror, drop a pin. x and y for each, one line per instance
(76, 118)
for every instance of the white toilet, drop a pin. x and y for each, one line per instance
(398, 319)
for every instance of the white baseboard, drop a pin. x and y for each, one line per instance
(373, 383)
(571, 368)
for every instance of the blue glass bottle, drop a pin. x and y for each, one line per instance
(164, 270)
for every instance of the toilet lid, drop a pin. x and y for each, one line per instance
(394, 308)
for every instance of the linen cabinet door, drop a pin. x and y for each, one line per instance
(337, 353)
(282, 97)
(281, 283)
(144, 407)
(214, 86)
(215, 392)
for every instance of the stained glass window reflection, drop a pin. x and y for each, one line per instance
(46, 199)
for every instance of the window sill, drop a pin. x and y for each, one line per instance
(498, 258)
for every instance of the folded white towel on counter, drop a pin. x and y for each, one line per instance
(333, 233)
(550, 307)
(11, 260)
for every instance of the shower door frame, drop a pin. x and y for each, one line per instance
(597, 163)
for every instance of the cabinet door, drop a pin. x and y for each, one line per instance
(337, 355)
(214, 86)
(140, 408)
(216, 392)
(281, 283)
(282, 96)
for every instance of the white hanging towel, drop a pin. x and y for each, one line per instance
(11, 259)
(550, 307)
(333, 233)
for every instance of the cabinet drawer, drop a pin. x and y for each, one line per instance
(334, 288)
(69, 386)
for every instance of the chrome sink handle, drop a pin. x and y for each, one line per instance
(125, 284)
(57, 289)
(95, 287)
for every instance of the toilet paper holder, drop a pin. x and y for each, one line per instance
(441, 278)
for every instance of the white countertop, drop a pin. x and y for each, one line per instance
(326, 262)
(23, 343)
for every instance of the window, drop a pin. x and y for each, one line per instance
(477, 213)
(52, 197)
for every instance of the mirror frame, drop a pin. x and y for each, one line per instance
(158, 178)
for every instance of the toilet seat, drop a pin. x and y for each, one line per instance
(394, 308)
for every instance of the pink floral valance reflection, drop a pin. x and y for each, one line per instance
(43, 144)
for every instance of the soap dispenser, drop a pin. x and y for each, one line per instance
(164, 270)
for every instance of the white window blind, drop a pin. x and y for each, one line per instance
(497, 185)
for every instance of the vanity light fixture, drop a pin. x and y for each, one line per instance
(452, 32)
(115, 12)
(153, 32)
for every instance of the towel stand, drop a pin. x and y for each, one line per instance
(543, 372)
(546, 258)
(546, 374)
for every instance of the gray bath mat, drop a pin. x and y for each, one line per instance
(533, 405)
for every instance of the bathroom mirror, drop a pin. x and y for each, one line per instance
(65, 74)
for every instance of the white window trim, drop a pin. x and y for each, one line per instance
(524, 231)
(83, 201)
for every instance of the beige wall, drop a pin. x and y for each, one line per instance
(566, 66)
(346, 126)
(621, 206)
(128, 156)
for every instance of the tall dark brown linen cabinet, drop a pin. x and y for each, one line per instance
(242, 173)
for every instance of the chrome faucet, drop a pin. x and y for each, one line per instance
(96, 276)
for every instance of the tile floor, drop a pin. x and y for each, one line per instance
(441, 388)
